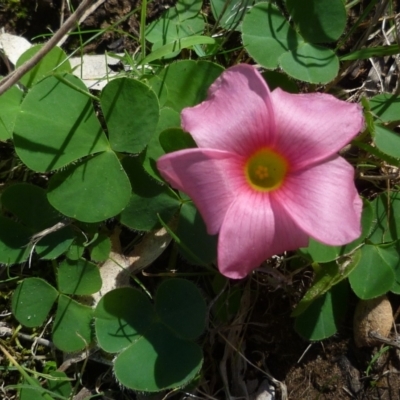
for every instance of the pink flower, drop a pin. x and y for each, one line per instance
(266, 175)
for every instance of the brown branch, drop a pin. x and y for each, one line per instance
(69, 24)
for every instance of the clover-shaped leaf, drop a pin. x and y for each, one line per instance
(79, 277)
(387, 140)
(272, 42)
(196, 245)
(323, 318)
(148, 199)
(373, 275)
(72, 325)
(229, 14)
(32, 301)
(390, 254)
(386, 107)
(385, 226)
(165, 361)
(172, 311)
(131, 112)
(34, 298)
(157, 340)
(77, 191)
(55, 61)
(186, 83)
(327, 276)
(100, 248)
(30, 205)
(319, 21)
(176, 23)
(169, 118)
(57, 125)
(14, 240)
(9, 108)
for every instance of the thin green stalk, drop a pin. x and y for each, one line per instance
(142, 31)
(26, 376)
(367, 10)
(78, 89)
(352, 4)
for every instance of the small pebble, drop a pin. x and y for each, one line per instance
(372, 315)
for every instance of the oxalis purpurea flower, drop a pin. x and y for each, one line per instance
(266, 175)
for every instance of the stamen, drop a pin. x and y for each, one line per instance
(262, 172)
(265, 170)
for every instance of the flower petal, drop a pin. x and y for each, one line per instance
(254, 229)
(237, 116)
(324, 202)
(210, 177)
(313, 127)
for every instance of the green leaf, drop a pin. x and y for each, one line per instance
(322, 319)
(188, 8)
(310, 63)
(61, 386)
(125, 320)
(31, 393)
(131, 112)
(32, 301)
(387, 141)
(181, 308)
(176, 46)
(373, 276)
(319, 252)
(54, 244)
(367, 219)
(174, 139)
(227, 304)
(267, 35)
(319, 21)
(229, 13)
(9, 108)
(50, 63)
(186, 82)
(376, 152)
(174, 25)
(276, 79)
(121, 318)
(390, 253)
(264, 27)
(327, 276)
(386, 106)
(193, 233)
(29, 203)
(165, 361)
(386, 226)
(148, 199)
(92, 190)
(79, 277)
(169, 118)
(76, 250)
(72, 325)
(14, 242)
(57, 125)
(100, 248)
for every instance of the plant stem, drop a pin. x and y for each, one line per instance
(142, 31)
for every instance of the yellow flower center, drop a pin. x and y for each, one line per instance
(266, 170)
